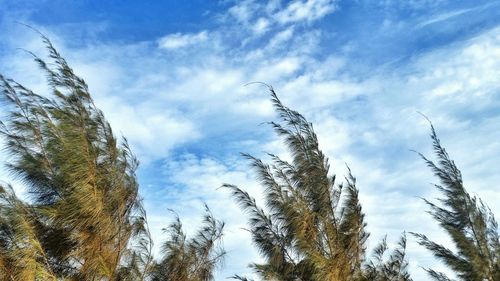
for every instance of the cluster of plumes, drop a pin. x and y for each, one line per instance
(468, 222)
(192, 259)
(311, 228)
(84, 219)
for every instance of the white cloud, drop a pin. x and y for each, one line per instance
(244, 10)
(151, 133)
(278, 69)
(261, 26)
(260, 18)
(281, 37)
(308, 10)
(180, 40)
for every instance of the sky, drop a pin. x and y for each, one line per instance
(171, 76)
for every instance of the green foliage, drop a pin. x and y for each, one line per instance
(394, 268)
(22, 256)
(312, 228)
(467, 220)
(191, 259)
(84, 219)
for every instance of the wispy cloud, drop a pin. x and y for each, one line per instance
(309, 10)
(179, 40)
(444, 17)
(261, 26)
(259, 17)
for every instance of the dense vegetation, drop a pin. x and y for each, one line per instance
(467, 220)
(84, 219)
(314, 228)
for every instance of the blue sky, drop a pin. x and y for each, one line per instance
(170, 76)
